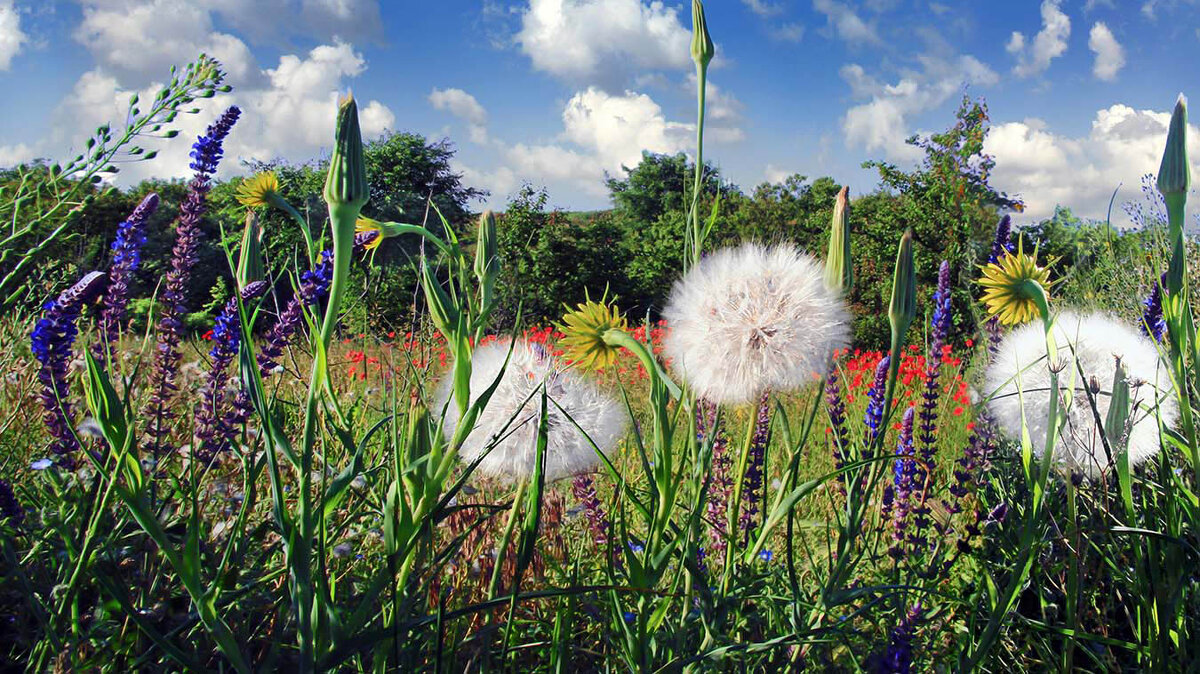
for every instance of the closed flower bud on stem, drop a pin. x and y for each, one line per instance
(703, 49)
(839, 266)
(487, 260)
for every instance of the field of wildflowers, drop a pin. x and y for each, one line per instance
(732, 486)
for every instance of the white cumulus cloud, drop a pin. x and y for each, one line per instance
(882, 122)
(463, 106)
(1110, 55)
(12, 38)
(1048, 169)
(846, 23)
(603, 42)
(1049, 43)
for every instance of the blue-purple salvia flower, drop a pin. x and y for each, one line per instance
(51, 342)
(873, 417)
(10, 508)
(1153, 323)
(126, 258)
(215, 426)
(903, 484)
(752, 484)
(839, 434)
(939, 330)
(585, 492)
(314, 286)
(898, 659)
(1002, 244)
(720, 485)
(206, 154)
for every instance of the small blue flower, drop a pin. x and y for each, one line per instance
(766, 555)
(636, 547)
(41, 464)
(629, 617)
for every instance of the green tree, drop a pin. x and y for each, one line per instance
(948, 204)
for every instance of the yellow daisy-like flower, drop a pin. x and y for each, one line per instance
(584, 329)
(257, 191)
(1013, 287)
(364, 225)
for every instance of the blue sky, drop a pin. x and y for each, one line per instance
(559, 92)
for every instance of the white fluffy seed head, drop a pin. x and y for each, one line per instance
(511, 416)
(1088, 343)
(752, 319)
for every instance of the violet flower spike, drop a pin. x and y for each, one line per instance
(585, 492)
(902, 484)
(720, 487)
(873, 417)
(837, 420)
(214, 426)
(126, 258)
(206, 154)
(753, 479)
(1153, 324)
(314, 286)
(51, 342)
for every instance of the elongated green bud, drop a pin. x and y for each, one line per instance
(250, 259)
(839, 265)
(487, 260)
(1174, 180)
(703, 49)
(346, 183)
(1174, 174)
(442, 310)
(903, 308)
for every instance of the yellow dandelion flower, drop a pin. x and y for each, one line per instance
(259, 190)
(1014, 287)
(584, 329)
(365, 225)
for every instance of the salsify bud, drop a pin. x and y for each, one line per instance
(903, 307)
(487, 262)
(441, 308)
(346, 182)
(839, 266)
(250, 258)
(703, 49)
(1174, 174)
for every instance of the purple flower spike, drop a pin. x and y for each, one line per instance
(837, 420)
(1002, 244)
(206, 153)
(215, 426)
(126, 258)
(874, 414)
(1153, 323)
(314, 286)
(753, 480)
(51, 343)
(720, 486)
(902, 484)
(585, 492)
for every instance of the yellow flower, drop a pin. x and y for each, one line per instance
(364, 225)
(1013, 286)
(584, 329)
(257, 191)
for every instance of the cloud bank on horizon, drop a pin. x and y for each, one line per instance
(563, 93)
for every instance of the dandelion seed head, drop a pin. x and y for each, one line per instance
(1088, 346)
(752, 319)
(511, 417)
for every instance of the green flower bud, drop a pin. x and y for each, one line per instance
(487, 262)
(903, 308)
(346, 182)
(250, 259)
(839, 265)
(442, 310)
(702, 45)
(1174, 175)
